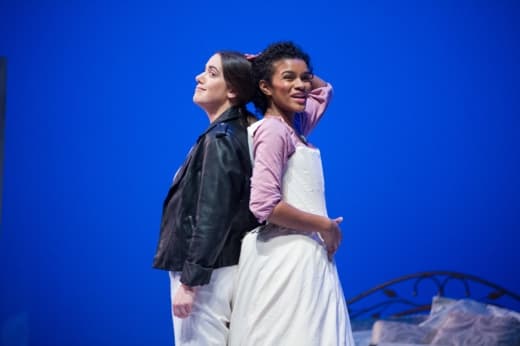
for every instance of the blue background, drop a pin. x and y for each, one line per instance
(421, 146)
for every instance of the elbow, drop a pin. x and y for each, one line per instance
(261, 211)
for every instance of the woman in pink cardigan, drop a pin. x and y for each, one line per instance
(288, 290)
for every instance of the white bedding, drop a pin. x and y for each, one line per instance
(450, 322)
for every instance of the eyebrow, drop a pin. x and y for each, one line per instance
(212, 67)
(294, 72)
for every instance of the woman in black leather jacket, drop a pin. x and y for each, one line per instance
(206, 211)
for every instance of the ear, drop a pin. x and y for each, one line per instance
(265, 87)
(231, 94)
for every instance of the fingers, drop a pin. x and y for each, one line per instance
(183, 301)
(336, 234)
(339, 235)
(332, 248)
(334, 238)
(251, 57)
(181, 310)
(331, 252)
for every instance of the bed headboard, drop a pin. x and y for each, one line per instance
(412, 294)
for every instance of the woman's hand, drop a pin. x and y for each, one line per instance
(183, 301)
(332, 237)
(288, 216)
(251, 57)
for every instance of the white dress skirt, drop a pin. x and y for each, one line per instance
(287, 292)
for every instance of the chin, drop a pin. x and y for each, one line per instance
(298, 107)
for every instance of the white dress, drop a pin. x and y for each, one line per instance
(287, 291)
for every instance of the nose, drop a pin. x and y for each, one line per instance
(300, 83)
(198, 78)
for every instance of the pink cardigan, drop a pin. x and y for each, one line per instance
(274, 141)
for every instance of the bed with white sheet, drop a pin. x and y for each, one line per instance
(440, 308)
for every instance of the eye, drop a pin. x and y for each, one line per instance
(212, 72)
(289, 76)
(307, 77)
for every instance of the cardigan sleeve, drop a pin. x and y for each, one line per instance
(272, 147)
(315, 107)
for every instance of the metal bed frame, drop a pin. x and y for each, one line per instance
(392, 304)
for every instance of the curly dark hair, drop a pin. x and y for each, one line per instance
(263, 67)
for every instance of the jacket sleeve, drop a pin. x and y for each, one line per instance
(221, 170)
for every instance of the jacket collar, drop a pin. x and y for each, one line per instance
(230, 114)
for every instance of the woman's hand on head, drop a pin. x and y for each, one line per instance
(251, 57)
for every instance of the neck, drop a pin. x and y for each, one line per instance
(214, 112)
(288, 117)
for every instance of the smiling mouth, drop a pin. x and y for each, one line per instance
(300, 99)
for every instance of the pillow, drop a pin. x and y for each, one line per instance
(442, 307)
(390, 331)
(441, 303)
(463, 328)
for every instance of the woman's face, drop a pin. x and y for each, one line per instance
(289, 88)
(211, 92)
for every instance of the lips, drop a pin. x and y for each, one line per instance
(299, 98)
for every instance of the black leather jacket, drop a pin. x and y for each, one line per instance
(206, 212)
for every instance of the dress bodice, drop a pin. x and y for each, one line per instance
(303, 185)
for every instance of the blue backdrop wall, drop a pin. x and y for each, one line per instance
(420, 145)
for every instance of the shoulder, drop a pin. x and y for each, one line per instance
(271, 127)
(273, 136)
(232, 132)
(220, 130)
(228, 136)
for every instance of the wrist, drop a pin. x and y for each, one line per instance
(188, 288)
(325, 225)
